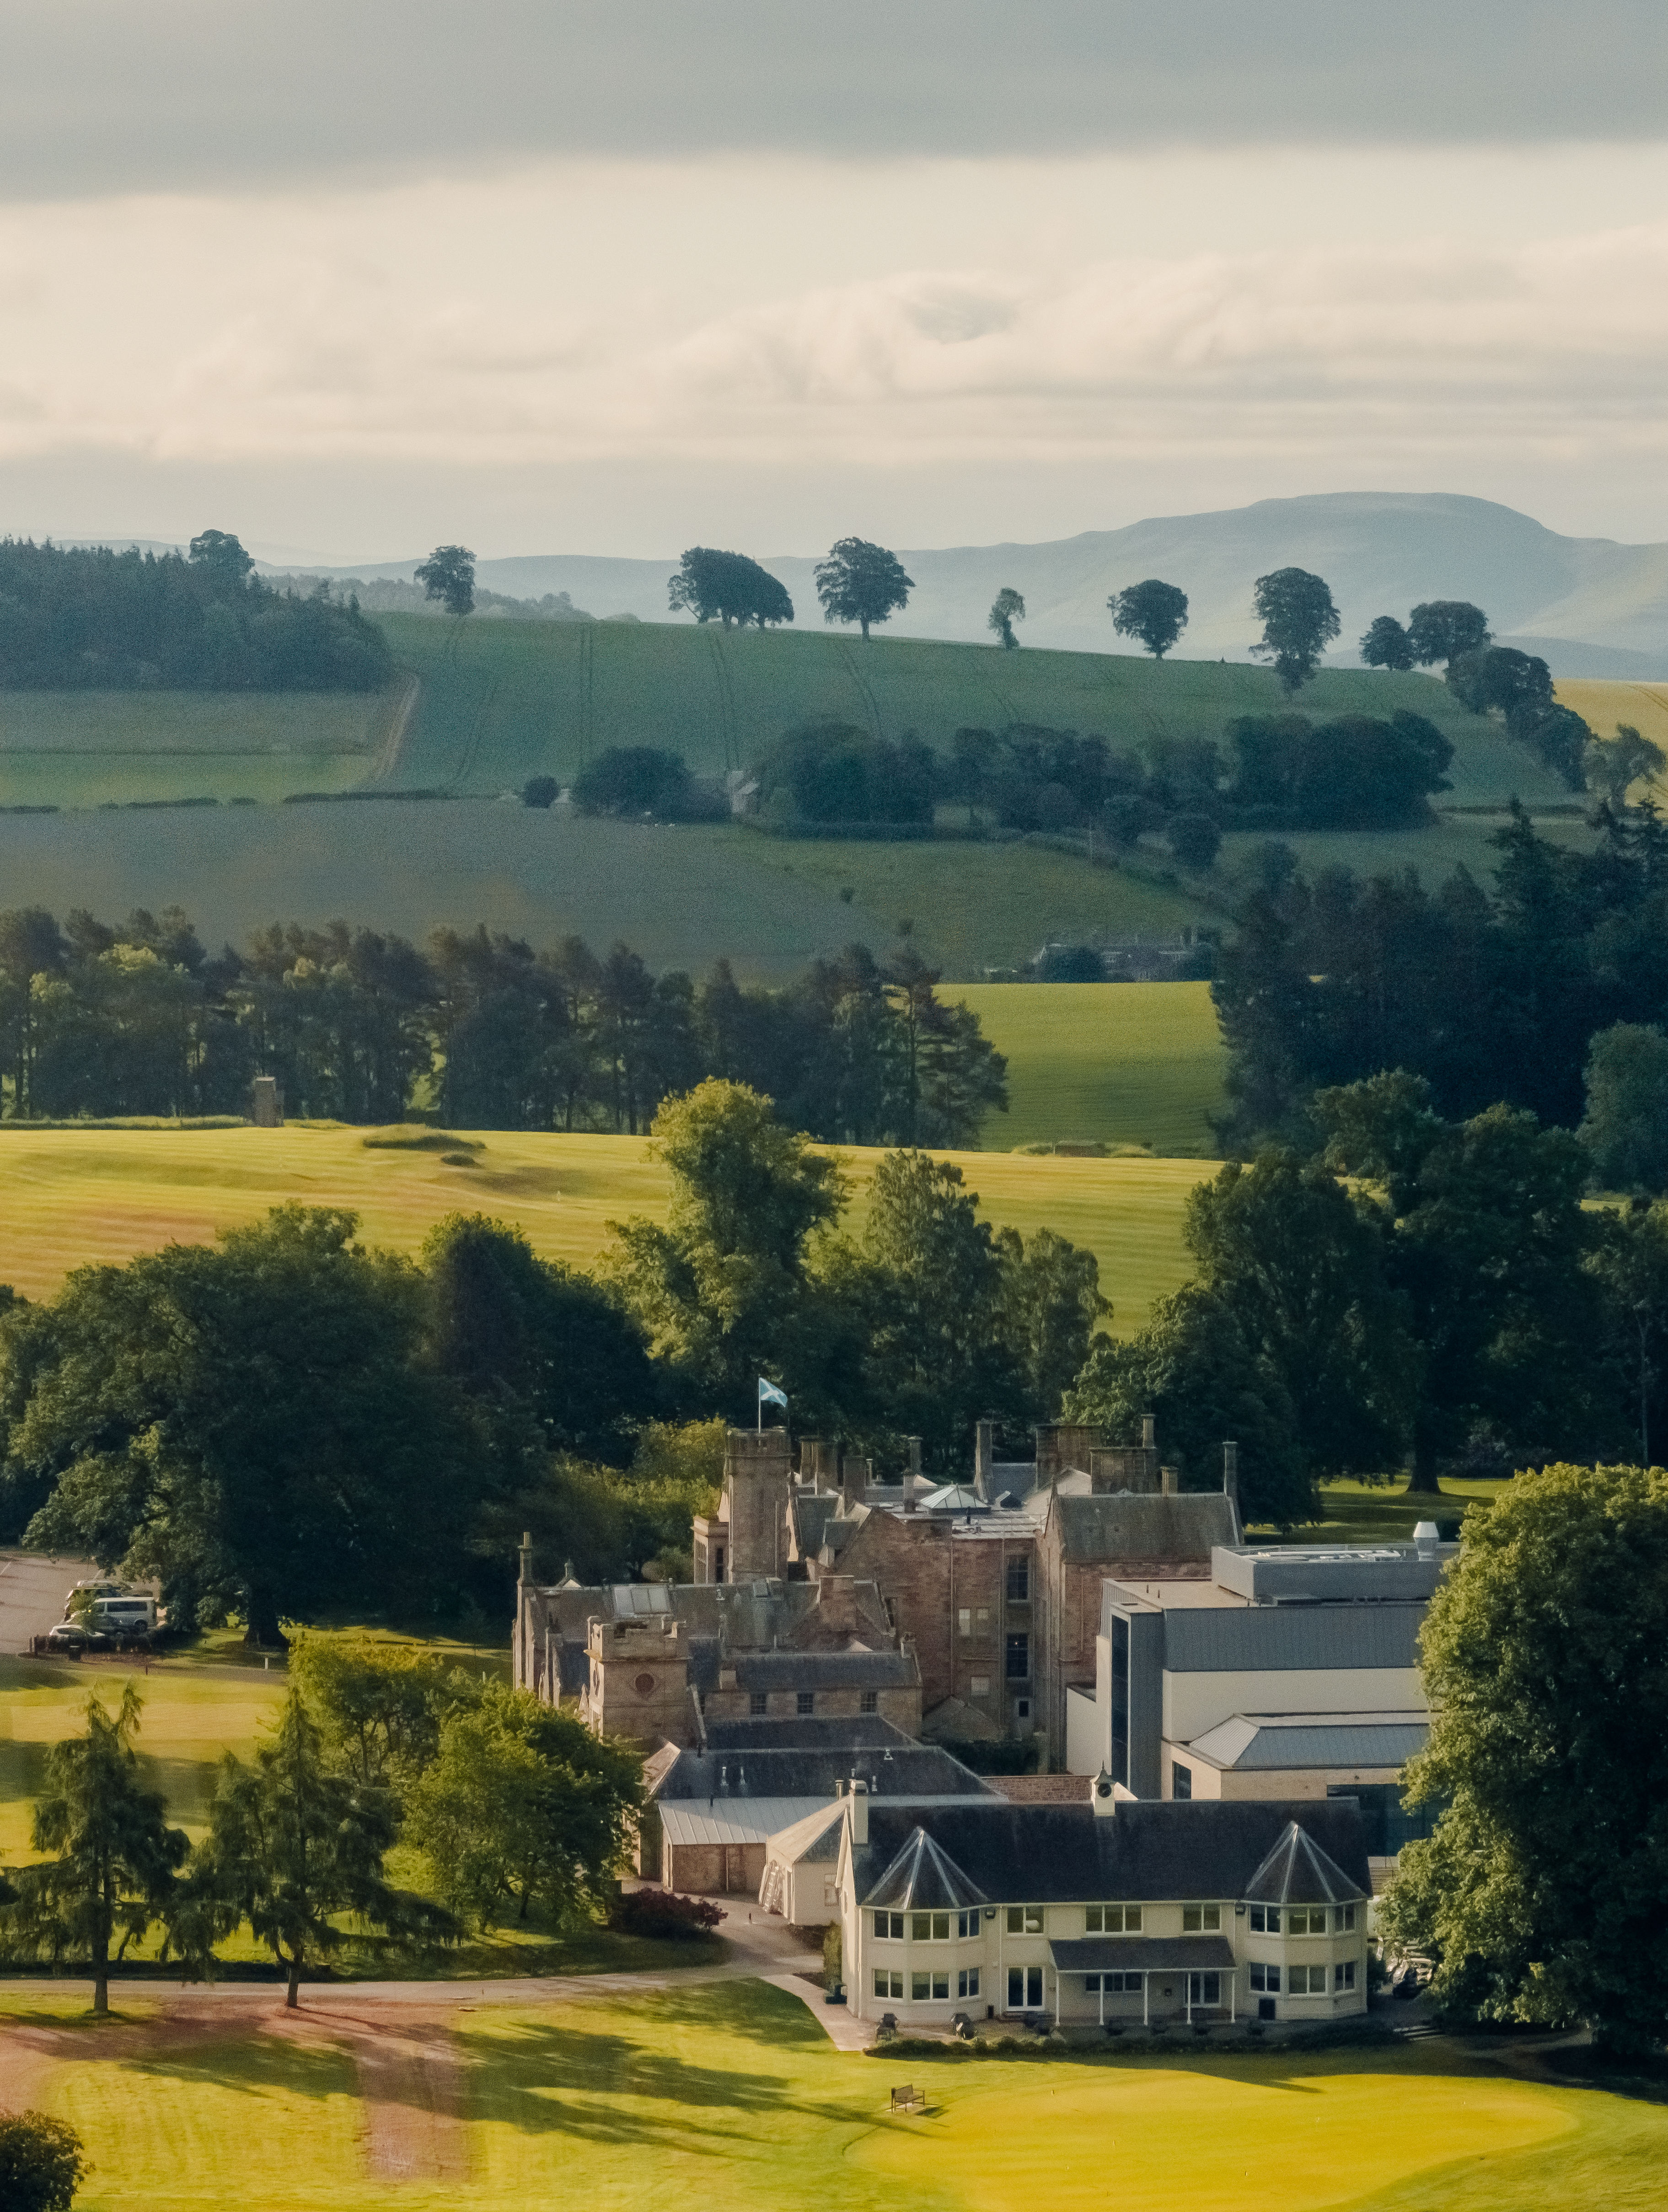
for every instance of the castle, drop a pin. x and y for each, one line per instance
(959, 1611)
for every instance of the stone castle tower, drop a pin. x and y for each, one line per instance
(747, 1538)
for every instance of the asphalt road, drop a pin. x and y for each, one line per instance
(33, 1590)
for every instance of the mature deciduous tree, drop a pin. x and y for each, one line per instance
(861, 583)
(1298, 622)
(221, 559)
(1387, 645)
(113, 1856)
(1485, 1243)
(1443, 630)
(1541, 1892)
(1154, 613)
(721, 1287)
(526, 1803)
(729, 585)
(1195, 1368)
(1616, 765)
(251, 1421)
(448, 575)
(1006, 609)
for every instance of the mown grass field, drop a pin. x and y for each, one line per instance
(731, 2094)
(70, 1196)
(96, 747)
(1124, 1063)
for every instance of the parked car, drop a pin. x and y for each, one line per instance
(1407, 1983)
(69, 1638)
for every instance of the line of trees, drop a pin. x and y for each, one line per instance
(88, 618)
(509, 1801)
(1490, 997)
(277, 1422)
(478, 1030)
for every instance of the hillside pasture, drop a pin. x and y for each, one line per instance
(731, 2093)
(682, 897)
(77, 1195)
(504, 701)
(89, 748)
(1112, 1063)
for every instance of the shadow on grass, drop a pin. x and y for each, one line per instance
(611, 2086)
(255, 2066)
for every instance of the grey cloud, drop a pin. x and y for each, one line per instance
(103, 95)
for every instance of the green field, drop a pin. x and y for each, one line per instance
(1119, 1064)
(84, 749)
(731, 2094)
(503, 701)
(77, 1195)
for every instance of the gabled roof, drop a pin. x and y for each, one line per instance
(1297, 1872)
(952, 1498)
(923, 1875)
(815, 1840)
(1144, 1525)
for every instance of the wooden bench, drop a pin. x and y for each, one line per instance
(908, 2100)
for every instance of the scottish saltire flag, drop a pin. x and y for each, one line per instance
(769, 1396)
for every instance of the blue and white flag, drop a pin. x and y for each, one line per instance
(769, 1396)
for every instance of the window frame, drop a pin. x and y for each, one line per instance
(1028, 1919)
(758, 1703)
(1016, 1656)
(868, 1701)
(1202, 1920)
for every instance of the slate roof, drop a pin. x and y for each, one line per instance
(812, 1733)
(1144, 1525)
(1157, 1954)
(856, 1667)
(751, 1615)
(1297, 1871)
(923, 1876)
(812, 1510)
(1148, 1850)
(921, 1770)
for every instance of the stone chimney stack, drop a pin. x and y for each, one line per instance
(857, 1807)
(525, 1576)
(984, 1458)
(856, 1481)
(1169, 1482)
(1148, 1433)
(1230, 1469)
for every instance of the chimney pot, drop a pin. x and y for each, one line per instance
(858, 1802)
(1168, 1481)
(1148, 1433)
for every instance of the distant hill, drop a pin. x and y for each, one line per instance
(1593, 607)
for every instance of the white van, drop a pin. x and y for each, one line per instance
(123, 1616)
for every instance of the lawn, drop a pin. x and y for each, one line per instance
(192, 1714)
(73, 1196)
(1119, 1064)
(731, 2095)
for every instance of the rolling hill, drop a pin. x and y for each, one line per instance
(503, 701)
(1591, 606)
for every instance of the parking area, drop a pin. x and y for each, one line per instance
(33, 1590)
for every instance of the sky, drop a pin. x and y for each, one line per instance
(545, 275)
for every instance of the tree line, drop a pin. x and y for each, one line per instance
(88, 618)
(477, 1031)
(508, 1801)
(282, 1420)
(1489, 996)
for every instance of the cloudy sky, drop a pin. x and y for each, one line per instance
(550, 276)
